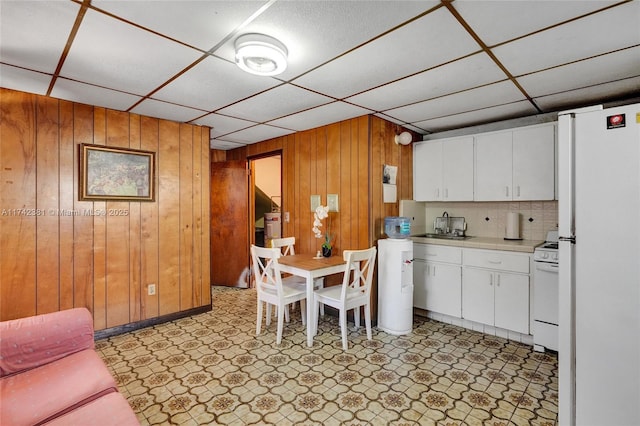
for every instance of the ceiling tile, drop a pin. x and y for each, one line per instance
(168, 111)
(603, 32)
(112, 54)
(277, 102)
(256, 133)
(201, 24)
(316, 33)
(24, 80)
(471, 118)
(463, 74)
(590, 95)
(212, 84)
(412, 48)
(602, 69)
(225, 145)
(221, 124)
(481, 97)
(320, 116)
(498, 21)
(92, 95)
(22, 26)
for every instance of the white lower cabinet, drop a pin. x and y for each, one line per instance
(437, 282)
(495, 289)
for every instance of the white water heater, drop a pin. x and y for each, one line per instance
(395, 285)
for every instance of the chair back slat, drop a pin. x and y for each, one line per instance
(286, 245)
(358, 274)
(266, 268)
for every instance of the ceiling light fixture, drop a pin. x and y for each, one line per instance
(260, 54)
(403, 138)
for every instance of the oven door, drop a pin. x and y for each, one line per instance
(545, 306)
(545, 294)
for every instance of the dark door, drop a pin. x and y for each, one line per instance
(229, 224)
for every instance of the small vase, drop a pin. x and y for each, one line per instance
(326, 251)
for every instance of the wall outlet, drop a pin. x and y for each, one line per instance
(151, 289)
(286, 217)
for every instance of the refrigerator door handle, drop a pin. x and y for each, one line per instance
(571, 239)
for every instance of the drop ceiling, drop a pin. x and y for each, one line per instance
(430, 66)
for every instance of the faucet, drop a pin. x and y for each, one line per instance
(445, 214)
(446, 229)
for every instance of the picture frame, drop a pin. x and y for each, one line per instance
(116, 174)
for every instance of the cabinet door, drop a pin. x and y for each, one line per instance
(512, 302)
(493, 167)
(427, 171)
(457, 169)
(477, 295)
(534, 163)
(420, 284)
(444, 289)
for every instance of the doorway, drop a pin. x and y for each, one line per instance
(266, 196)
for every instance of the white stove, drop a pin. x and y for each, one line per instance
(548, 251)
(545, 294)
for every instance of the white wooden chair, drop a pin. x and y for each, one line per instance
(354, 292)
(271, 290)
(287, 247)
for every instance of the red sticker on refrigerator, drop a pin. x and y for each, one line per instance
(616, 121)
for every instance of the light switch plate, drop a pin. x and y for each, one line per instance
(315, 202)
(332, 202)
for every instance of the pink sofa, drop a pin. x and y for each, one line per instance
(50, 374)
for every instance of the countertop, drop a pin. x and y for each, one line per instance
(525, 246)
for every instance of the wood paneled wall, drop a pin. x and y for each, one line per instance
(57, 252)
(344, 158)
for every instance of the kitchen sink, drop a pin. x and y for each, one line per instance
(444, 236)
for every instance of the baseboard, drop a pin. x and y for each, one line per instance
(126, 328)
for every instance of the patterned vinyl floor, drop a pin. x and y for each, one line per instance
(212, 369)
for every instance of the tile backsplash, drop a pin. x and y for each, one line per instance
(489, 219)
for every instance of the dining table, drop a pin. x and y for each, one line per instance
(311, 267)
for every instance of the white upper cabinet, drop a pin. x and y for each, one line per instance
(534, 163)
(515, 164)
(443, 170)
(494, 167)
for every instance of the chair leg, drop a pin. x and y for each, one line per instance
(303, 311)
(343, 328)
(268, 322)
(259, 318)
(318, 284)
(281, 311)
(367, 321)
(286, 313)
(356, 317)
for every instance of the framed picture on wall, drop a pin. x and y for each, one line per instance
(120, 174)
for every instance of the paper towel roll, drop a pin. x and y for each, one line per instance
(513, 226)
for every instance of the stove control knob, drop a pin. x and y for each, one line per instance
(545, 255)
(555, 257)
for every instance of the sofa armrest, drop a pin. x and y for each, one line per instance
(26, 343)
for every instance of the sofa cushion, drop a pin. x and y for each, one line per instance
(40, 393)
(29, 342)
(109, 410)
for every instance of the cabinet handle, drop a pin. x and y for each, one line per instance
(491, 279)
(495, 262)
(434, 270)
(518, 190)
(431, 254)
(498, 280)
(506, 190)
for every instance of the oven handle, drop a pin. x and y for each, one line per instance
(547, 267)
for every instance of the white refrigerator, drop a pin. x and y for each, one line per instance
(599, 257)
